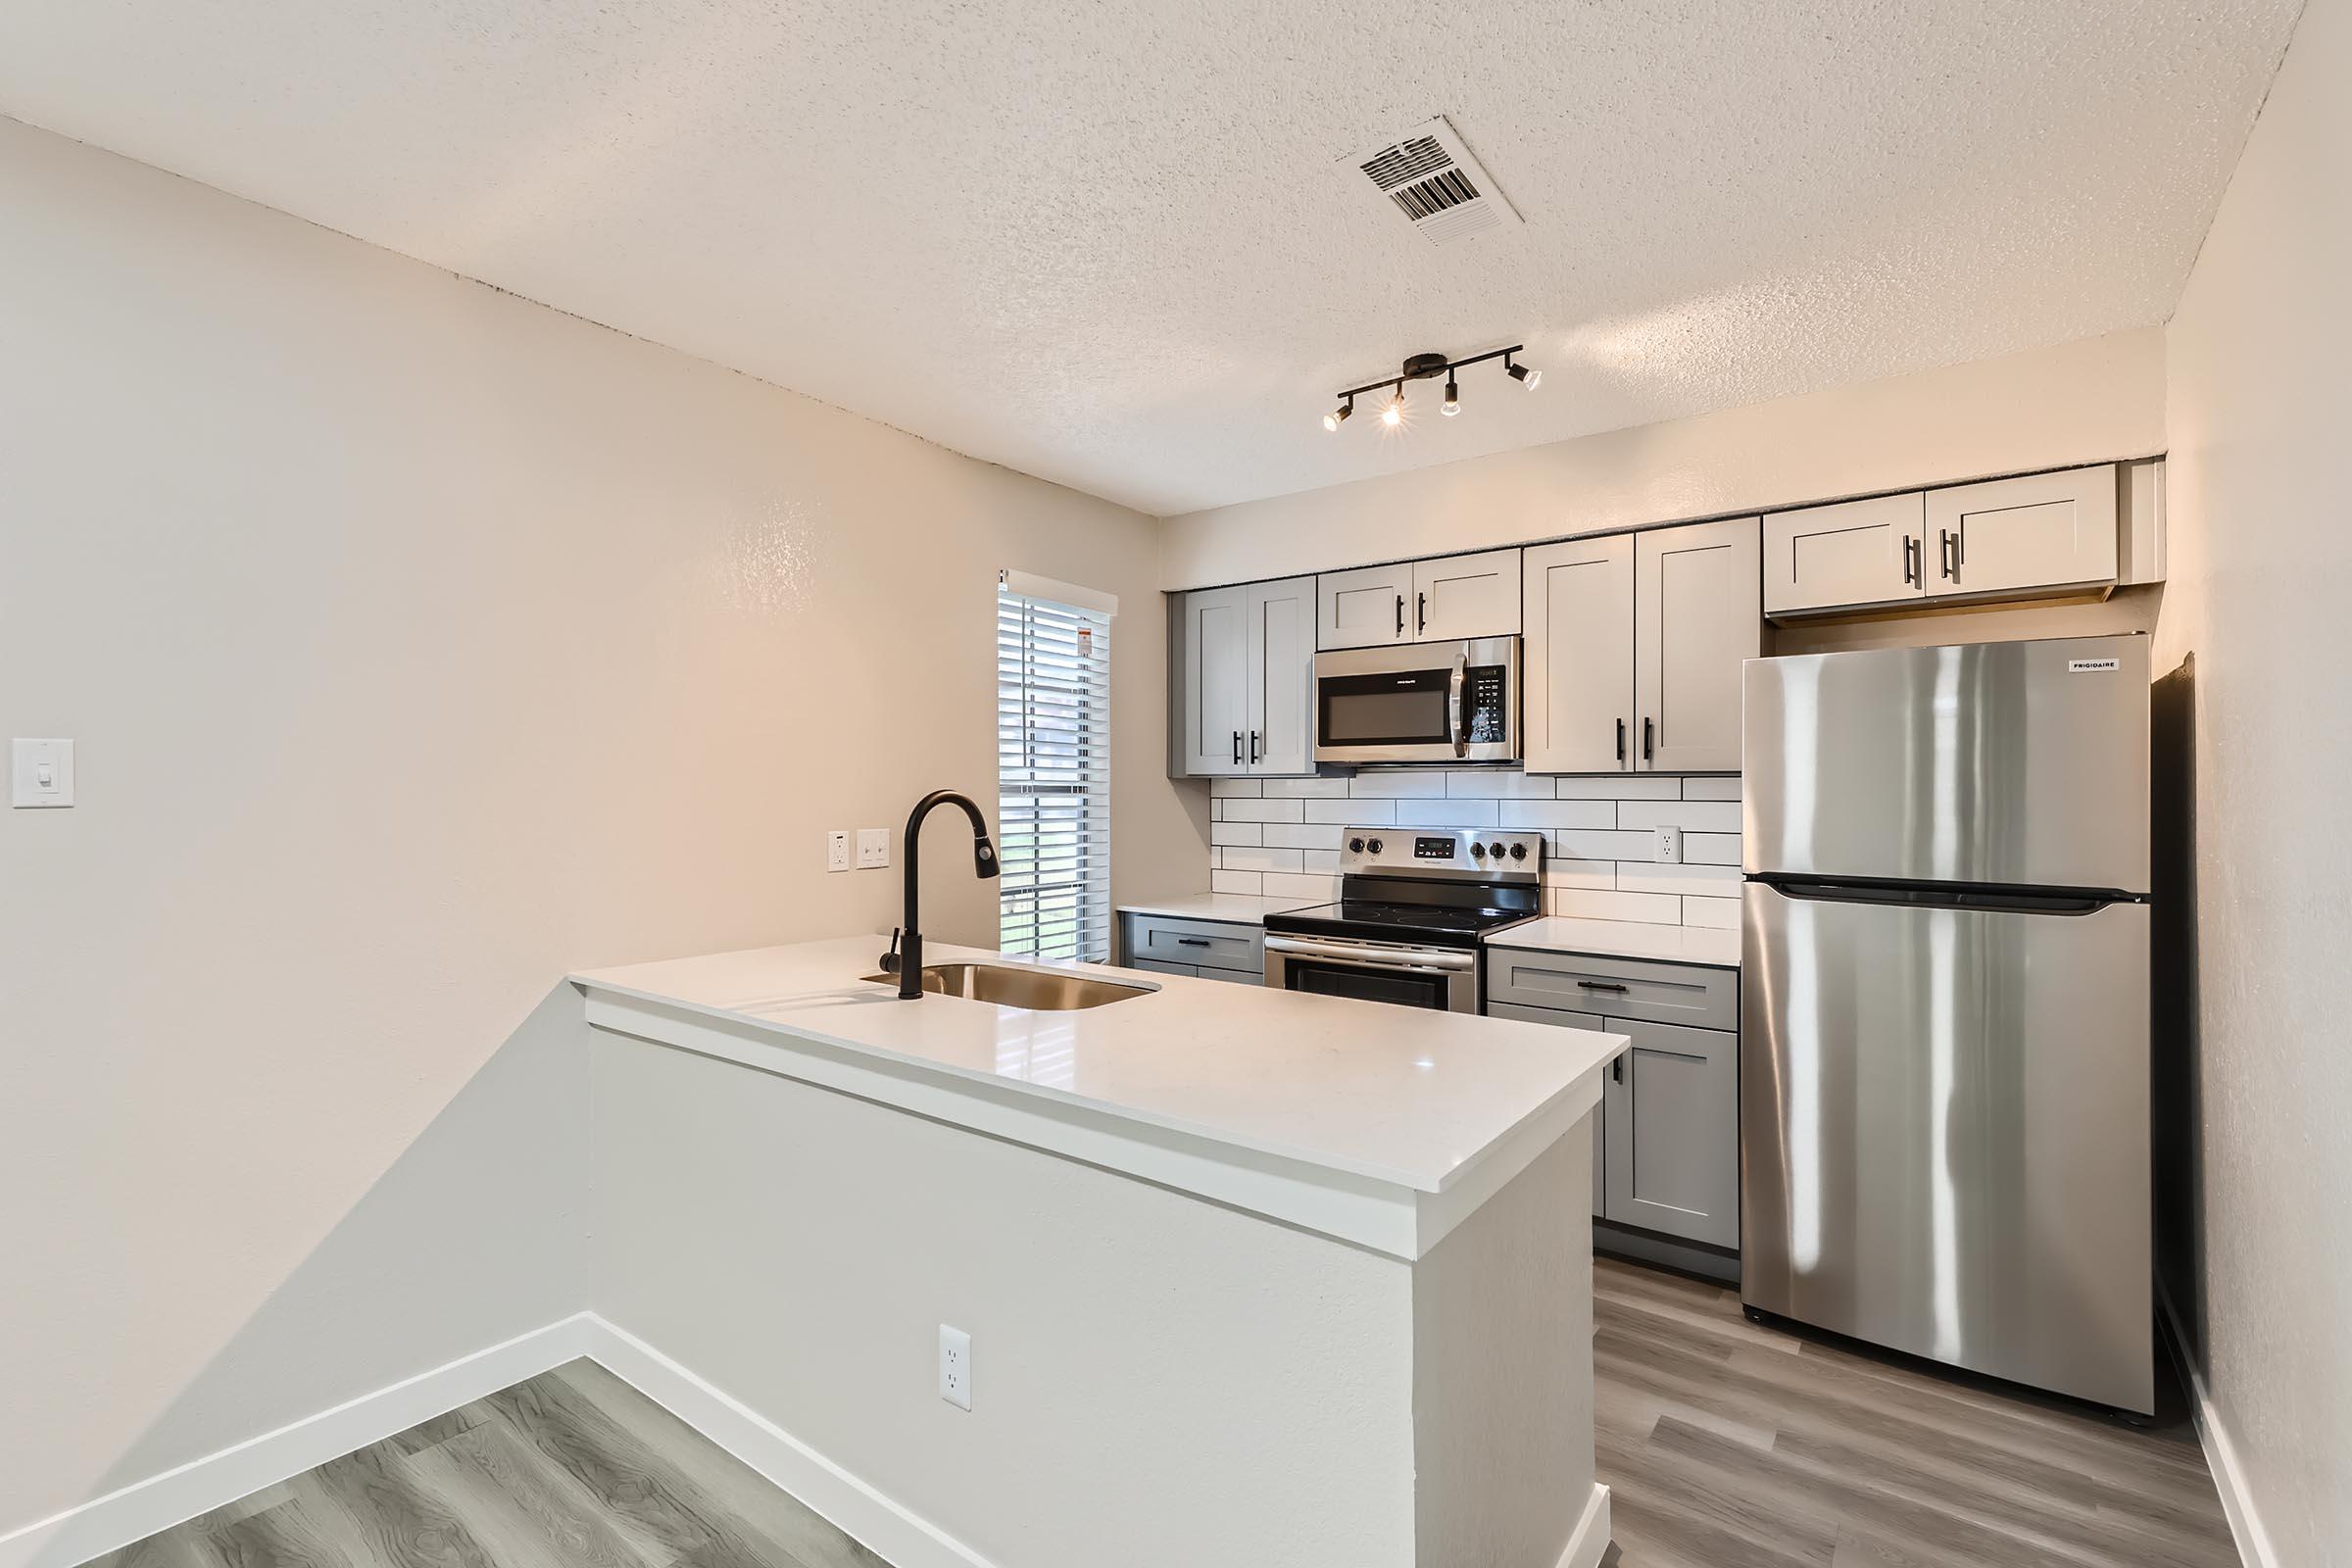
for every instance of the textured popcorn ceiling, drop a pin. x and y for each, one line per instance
(1106, 243)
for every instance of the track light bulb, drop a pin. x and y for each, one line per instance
(1394, 415)
(1339, 415)
(1530, 379)
(1453, 397)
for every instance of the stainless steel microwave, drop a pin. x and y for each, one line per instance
(1420, 703)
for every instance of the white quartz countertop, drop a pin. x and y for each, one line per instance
(1625, 938)
(1237, 909)
(1395, 1096)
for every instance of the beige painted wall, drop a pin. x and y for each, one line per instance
(2080, 401)
(422, 643)
(2261, 593)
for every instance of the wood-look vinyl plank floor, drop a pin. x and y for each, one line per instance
(1725, 1444)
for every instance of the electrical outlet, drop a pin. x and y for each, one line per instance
(1668, 849)
(837, 850)
(956, 1368)
(873, 848)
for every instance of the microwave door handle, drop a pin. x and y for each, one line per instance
(1462, 713)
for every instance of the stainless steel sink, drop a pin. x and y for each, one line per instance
(1033, 989)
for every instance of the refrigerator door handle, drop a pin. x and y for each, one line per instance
(1952, 896)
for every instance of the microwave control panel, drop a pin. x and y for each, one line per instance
(1483, 692)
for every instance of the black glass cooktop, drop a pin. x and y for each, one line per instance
(1437, 925)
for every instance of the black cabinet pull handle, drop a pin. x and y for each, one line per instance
(1617, 1069)
(1192, 942)
(1944, 559)
(1237, 747)
(1621, 740)
(1253, 751)
(1910, 560)
(1650, 738)
(1600, 985)
(1401, 615)
(1420, 613)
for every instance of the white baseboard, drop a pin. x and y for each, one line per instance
(158, 1502)
(905, 1539)
(2221, 1454)
(1590, 1541)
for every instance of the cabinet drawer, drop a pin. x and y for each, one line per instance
(1625, 988)
(1206, 944)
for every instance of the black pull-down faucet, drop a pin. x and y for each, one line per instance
(906, 960)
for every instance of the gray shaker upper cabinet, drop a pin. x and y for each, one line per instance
(1695, 621)
(1442, 600)
(2038, 535)
(1634, 647)
(1370, 607)
(1820, 559)
(1578, 672)
(1242, 672)
(2046, 532)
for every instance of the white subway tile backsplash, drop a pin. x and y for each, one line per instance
(1447, 813)
(1699, 816)
(1560, 814)
(1723, 913)
(1353, 813)
(1262, 811)
(1619, 787)
(1590, 845)
(1397, 785)
(1704, 881)
(1240, 857)
(1281, 838)
(1650, 909)
(1711, 849)
(1303, 789)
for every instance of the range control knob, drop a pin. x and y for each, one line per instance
(1478, 850)
(1355, 845)
(1496, 852)
(1373, 846)
(1518, 851)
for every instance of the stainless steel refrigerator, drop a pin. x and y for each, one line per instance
(1944, 1096)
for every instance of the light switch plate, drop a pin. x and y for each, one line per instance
(873, 848)
(837, 849)
(1668, 851)
(40, 772)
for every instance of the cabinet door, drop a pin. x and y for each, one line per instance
(1282, 676)
(2044, 531)
(1217, 681)
(1673, 1110)
(1696, 617)
(1854, 553)
(1465, 596)
(1371, 607)
(1578, 669)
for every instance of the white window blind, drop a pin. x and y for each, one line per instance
(1053, 775)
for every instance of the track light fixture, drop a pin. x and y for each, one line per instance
(1424, 368)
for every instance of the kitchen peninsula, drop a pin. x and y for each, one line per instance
(1249, 1276)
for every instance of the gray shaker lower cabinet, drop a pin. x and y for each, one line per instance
(1212, 949)
(1666, 1154)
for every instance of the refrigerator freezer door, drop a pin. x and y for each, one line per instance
(2021, 763)
(1944, 1134)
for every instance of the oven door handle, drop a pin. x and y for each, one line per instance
(1462, 713)
(1420, 963)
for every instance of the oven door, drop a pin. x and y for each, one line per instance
(1452, 702)
(1441, 979)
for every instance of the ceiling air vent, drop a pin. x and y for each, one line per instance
(1430, 176)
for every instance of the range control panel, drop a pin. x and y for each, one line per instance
(1486, 853)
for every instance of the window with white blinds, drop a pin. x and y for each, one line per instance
(1053, 776)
